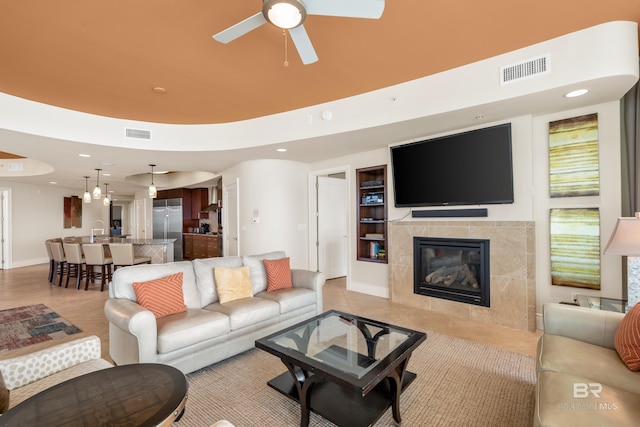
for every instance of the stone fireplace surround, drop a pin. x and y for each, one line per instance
(512, 265)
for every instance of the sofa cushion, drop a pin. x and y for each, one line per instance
(278, 274)
(161, 296)
(247, 311)
(203, 268)
(188, 328)
(256, 266)
(627, 339)
(232, 283)
(124, 277)
(290, 299)
(573, 357)
(557, 406)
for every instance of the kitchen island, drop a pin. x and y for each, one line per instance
(159, 250)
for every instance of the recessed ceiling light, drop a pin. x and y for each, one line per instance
(575, 93)
(281, 150)
(53, 182)
(159, 89)
(84, 155)
(106, 174)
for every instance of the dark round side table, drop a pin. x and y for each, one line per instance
(145, 394)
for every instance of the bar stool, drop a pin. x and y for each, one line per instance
(51, 262)
(94, 256)
(75, 262)
(59, 260)
(122, 255)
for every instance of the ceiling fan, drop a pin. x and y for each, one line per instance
(290, 14)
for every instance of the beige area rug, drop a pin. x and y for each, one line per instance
(459, 383)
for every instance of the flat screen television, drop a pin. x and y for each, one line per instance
(470, 168)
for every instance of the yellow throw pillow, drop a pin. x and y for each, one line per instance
(627, 339)
(232, 283)
(161, 296)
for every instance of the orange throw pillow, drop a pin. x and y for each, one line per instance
(278, 274)
(161, 296)
(627, 339)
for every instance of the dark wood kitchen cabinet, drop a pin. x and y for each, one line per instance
(201, 246)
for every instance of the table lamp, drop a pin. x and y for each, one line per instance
(625, 240)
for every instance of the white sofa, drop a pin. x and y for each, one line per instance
(208, 331)
(31, 373)
(581, 379)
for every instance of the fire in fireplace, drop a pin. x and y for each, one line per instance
(453, 269)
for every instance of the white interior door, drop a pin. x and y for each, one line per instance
(332, 226)
(231, 244)
(141, 219)
(5, 220)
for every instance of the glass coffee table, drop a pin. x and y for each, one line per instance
(345, 368)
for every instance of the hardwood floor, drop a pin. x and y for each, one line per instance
(29, 285)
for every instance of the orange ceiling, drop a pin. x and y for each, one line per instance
(105, 57)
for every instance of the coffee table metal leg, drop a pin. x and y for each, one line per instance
(304, 383)
(395, 385)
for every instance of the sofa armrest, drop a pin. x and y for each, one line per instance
(585, 324)
(313, 280)
(128, 320)
(22, 370)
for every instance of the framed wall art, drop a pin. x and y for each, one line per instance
(573, 157)
(575, 247)
(72, 212)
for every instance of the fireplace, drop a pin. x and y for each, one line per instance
(452, 269)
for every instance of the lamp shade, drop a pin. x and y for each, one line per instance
(87, 196)
(625, 239)
(153, 191)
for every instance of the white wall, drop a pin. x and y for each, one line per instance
(532, 201)
(275, 190)
(37, 214)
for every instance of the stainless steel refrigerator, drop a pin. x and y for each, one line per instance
(167, 223)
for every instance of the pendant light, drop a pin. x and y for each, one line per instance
(97, 192)
(107, 200)
(87, 196)
(153, 191)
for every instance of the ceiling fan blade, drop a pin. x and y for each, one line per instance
(240, 29)
(371, 9)
(303, 45)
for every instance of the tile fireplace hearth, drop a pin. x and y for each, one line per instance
(512, 269)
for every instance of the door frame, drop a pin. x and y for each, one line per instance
(5, 229)
(313, 217)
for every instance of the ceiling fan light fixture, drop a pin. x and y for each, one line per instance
(285, 14)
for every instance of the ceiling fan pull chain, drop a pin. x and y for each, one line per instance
(286, 58)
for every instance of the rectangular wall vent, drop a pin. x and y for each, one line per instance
(533, 67)
(15, 167)
(137, 134)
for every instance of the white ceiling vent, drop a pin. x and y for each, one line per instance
(137, 134)
(526, 69)
(15, 167)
